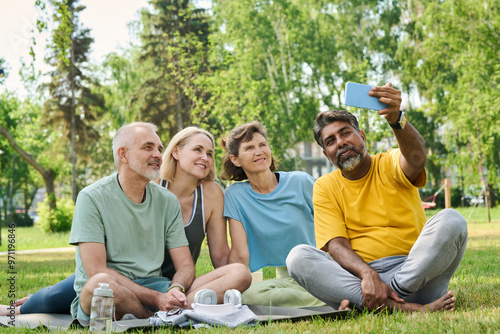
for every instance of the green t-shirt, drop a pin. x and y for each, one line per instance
(135, 235)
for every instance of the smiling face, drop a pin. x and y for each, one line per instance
(196, 157)
(254, 155)
(343, 145)
(144, 154)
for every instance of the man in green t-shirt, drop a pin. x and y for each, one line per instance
(122, 224)
(375, 247)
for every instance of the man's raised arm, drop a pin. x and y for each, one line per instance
(410, 142)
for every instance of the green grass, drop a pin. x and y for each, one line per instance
(476, 283)
(473, 214)
(34, 238)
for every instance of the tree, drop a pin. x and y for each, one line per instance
(47, 174)
(11, 125)
(451, 52)
(13, 168)
(174, 42)
(72, 106)
(282, 61)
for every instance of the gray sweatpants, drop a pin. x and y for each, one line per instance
(420, 277)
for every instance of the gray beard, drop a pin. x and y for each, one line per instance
(350, 163)
(151, 175)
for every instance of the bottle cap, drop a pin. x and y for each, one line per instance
(103, 290)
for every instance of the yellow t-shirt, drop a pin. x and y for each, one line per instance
(381, 214)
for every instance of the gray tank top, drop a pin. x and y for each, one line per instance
(195, 232)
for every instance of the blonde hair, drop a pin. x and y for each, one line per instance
(123, 137)
(169, 165)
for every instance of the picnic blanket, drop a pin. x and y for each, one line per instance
(265, 314)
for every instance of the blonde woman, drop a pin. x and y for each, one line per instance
(188, 170)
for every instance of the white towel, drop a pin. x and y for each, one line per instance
(243, 316)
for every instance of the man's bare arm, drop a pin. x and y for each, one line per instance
(375, 291)
(413, 157)
(410, 142)
(184, 266)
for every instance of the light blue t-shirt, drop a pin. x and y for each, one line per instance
(274, 222)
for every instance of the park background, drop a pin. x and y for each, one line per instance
(218, 64)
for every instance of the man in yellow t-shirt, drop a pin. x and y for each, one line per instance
(375, 248)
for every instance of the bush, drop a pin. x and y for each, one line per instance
(58, 221)
(20, 219)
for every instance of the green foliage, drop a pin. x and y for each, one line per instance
(58, 220)
(173, 60)
(19, 219)
(120, 76)
(450, 52)
(3, 66)
(22, 220)
(72, 106)
(280, 62)
(19, 181)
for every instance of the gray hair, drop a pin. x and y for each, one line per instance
(123, 137)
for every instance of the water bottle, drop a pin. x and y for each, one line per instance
(101, 310)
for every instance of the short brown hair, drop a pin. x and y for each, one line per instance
(326, 117)
(232, 145)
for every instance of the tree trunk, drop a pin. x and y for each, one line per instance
(74, 190)
(481, 162)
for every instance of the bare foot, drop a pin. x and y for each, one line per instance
(344, 305)
(445, 303)
(5, 310)
(21, 301)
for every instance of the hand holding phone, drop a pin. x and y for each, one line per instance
(356, 95)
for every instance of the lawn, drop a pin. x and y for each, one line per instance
(476, 283)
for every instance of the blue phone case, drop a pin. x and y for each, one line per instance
(356, 95)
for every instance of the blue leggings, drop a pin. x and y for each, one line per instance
(52, 299)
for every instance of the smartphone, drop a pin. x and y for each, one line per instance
(356, 95)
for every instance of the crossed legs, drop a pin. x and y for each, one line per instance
(421, 278)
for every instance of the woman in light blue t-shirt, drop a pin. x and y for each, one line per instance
(269, 213)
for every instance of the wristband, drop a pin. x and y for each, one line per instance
(176, 286)
(401, 121)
